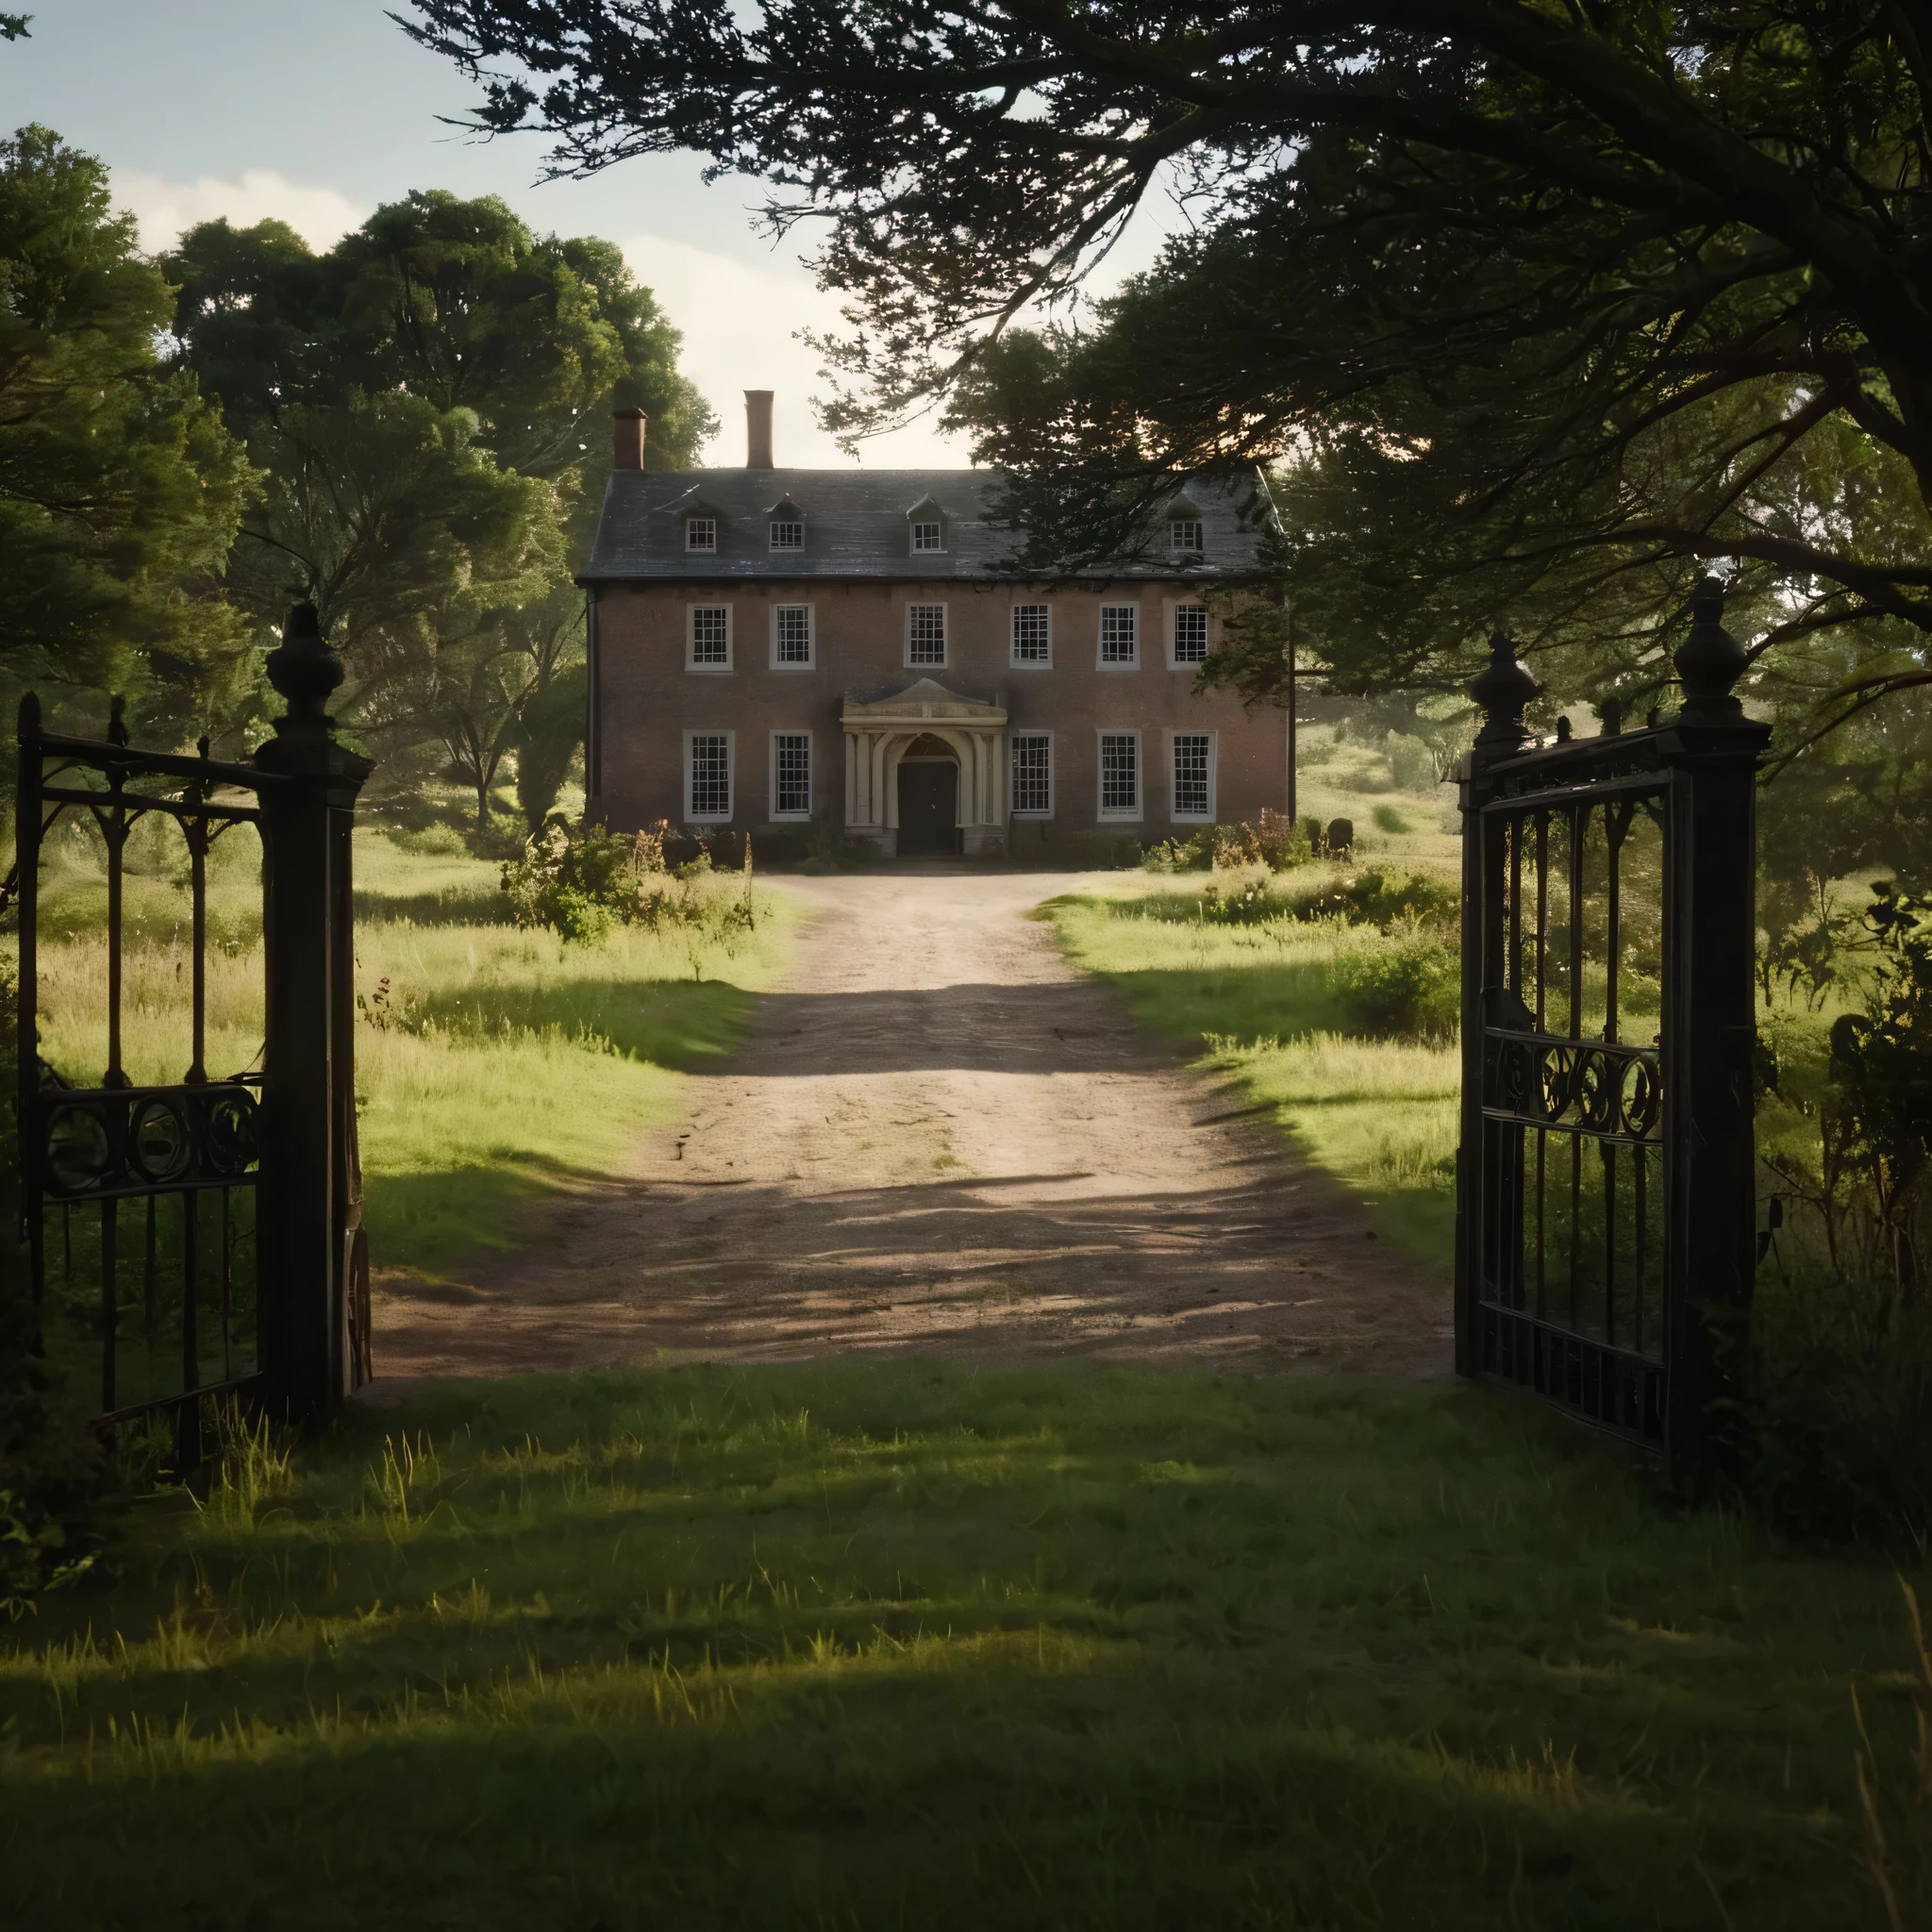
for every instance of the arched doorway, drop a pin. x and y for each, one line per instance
(929, 798)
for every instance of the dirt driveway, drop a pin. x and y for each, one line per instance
(941, 1138)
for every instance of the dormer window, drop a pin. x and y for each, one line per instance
(926, 528)
(787, 526)
(1184, 536)
(701, 533)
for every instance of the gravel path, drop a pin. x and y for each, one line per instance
(940, 1139)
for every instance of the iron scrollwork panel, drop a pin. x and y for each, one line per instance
(95, 1143)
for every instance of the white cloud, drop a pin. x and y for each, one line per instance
(163, 208)
(741, 323)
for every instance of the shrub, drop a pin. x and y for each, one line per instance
(1411, 763)
(431, 841)
(582, 882)
(1194, 853)
(1273, 840)
(1389, 820)
(1409, 989)
(1385, 899)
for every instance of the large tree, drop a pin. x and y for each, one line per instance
(1643, 266)
(120, 490)
(428, 403)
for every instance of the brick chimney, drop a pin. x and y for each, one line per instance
(757, 429)
(627, 439)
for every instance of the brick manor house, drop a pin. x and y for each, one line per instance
(771, 648)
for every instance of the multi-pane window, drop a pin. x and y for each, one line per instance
(1184, 534)
(925, 634)
(1190, 633)
(1119, 633)
(787, 534)
(791, 774)
(1120, 773)
(1192, 754)
(701, 533)
(1032, 764)
(711, 634)
(710, 774)
(791, 633)
(1032, 634)
(927, 536)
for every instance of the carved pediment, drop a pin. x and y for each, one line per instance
(921, 703)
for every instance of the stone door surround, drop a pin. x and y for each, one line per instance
(879, 730)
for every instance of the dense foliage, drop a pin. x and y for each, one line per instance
(1534, 301)
(428, 403)
(120, 490)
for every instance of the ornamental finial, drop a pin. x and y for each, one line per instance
(304, 668)
(1503, 691)
(1711, 660)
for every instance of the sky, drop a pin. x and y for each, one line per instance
(317, 110)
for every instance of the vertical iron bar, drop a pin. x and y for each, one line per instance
(110, 1301)
(1643, 1163)
(147, 1295)
(1579, 830)
(197, 830)
(191, 1260)
(1543, 1138)
(1609, 1148)
(116, 820)
(228, 1337)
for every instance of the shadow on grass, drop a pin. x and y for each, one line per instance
(877, 1644)
(672, 1023)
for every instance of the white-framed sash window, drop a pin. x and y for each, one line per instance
(1120, 637)
(708, 637)
(929, 534)
(925, 634)
(792, 774)
(707, 776)
(1192, 802)
(1120, 775)
(701, 534)
(793, 643)
(1032, 636)
(1029, 758)
(788, 533)
(1184, 536)
(1189, 642)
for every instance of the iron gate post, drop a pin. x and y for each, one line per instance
(1711, 929)
(1503, 691)
(309, 1098)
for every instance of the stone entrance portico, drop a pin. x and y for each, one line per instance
(880, 730)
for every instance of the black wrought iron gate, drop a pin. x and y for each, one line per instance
(1604, 1212)
(203, 1238)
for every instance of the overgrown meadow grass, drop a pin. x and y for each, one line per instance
(898, 1644)
(496, 1065)
(1255, 1001)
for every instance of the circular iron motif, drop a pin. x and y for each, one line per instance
(159, 1142)
(1599, 1091)
(233, 1131)
(1557, 1071)
(1642, 1097)
(80, 1154)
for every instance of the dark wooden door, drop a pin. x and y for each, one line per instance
(928, 799)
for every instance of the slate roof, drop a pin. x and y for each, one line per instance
(855, 525)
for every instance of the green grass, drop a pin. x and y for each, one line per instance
(1255, 1003)
(497, 1068)
(903, 1644)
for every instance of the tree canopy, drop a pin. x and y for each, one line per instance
(428, 403)
(120, 490)
(1612, 286)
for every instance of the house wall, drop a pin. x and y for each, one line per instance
(648, 696)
